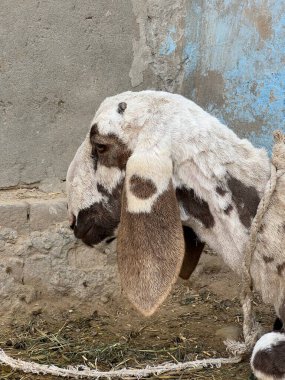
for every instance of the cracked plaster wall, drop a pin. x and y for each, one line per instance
(58, 60)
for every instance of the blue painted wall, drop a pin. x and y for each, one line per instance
(234, 53)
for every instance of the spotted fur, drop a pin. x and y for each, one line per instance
(268, 357)
(167, 140)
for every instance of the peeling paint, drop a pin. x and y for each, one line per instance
(262, 21)
(226, 55)
(243, 43)
(160, 44)
(169, 45)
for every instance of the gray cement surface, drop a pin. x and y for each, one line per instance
(58, 61)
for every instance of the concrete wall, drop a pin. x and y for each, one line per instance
(59, 59)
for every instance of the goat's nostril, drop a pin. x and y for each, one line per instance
(72, 222)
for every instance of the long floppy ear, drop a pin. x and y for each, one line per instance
(150, 241)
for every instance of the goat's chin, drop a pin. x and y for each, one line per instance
(98, 242)
(104, 244)
(92, 240)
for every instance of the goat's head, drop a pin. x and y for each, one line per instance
(120, 182)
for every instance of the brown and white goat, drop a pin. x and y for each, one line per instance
(165, 177)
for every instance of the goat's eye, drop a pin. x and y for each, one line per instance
(101, 148)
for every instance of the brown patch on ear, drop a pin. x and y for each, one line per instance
(142, 188)
(150, 250)
(193, 251)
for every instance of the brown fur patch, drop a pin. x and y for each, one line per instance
(98, 222)
(228, 210)
(221, 191)
(246, 199)
(150, 250)
(267, 259)
(193, 251)
(271, 362)
(280, 268)
(194, 206)
(142, 188)
(116, 154)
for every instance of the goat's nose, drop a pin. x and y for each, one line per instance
(72, 221)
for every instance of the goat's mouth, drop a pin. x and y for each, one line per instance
(92, 230)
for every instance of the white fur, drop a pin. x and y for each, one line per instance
(261, 376)
(151, 160)
(155, 169)
(266, 343)
(160, 127)
(81, 180)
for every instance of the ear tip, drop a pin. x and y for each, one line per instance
(146, 312)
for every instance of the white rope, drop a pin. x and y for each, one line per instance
(86, 372)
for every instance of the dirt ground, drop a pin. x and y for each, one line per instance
(113, 335)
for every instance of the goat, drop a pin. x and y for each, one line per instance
(165, 177)
(268, 356)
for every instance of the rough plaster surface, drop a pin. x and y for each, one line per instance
(41, 259)
(58, 61)
(159, 46)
